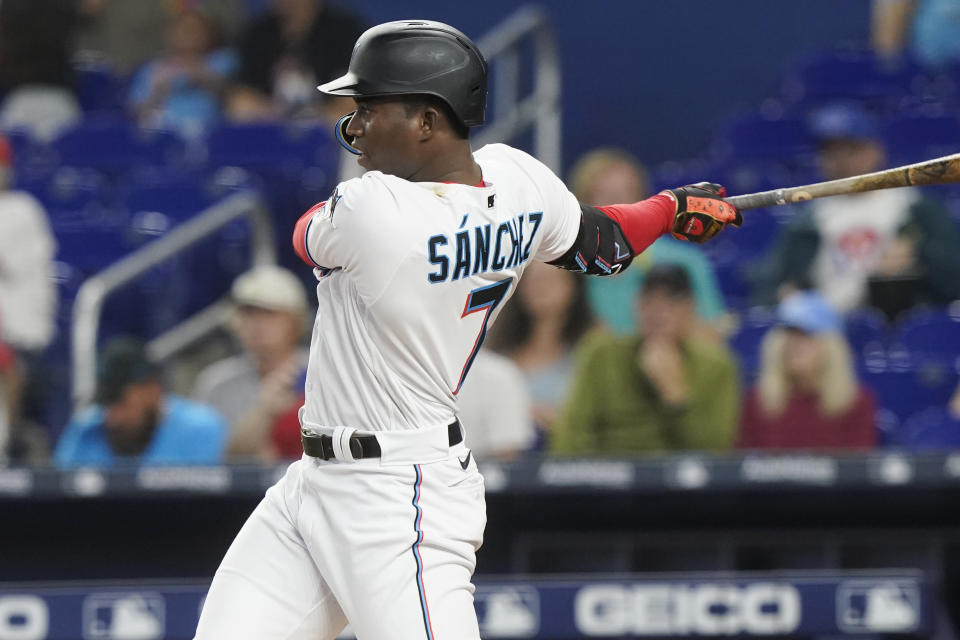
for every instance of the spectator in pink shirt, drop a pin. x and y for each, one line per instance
(807, 395)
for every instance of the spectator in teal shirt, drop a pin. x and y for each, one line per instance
(608, 176)
(135, 421)
(182, 89)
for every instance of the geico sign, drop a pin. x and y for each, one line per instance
(705, 609)
(23, 618)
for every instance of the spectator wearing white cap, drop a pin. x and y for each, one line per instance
(252, 390)
(807, 395)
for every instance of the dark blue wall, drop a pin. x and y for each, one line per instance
(657, 76)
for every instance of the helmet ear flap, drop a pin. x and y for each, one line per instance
(345, 140)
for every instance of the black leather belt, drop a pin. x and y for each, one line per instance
(321, 446)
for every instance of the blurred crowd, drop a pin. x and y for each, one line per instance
(183, 64)
(819, 354)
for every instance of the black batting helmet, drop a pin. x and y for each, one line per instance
(417, 57)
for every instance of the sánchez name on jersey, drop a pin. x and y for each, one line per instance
(482, 248)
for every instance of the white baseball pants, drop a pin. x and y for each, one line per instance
(389, 547)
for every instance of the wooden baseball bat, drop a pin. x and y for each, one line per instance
(938, 171)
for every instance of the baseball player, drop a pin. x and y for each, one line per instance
(379, 523)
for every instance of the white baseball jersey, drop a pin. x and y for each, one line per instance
(412, 274)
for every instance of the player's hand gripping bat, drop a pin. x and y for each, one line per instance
(938, 171)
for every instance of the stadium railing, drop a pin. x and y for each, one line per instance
(538, 112)
(89, 300)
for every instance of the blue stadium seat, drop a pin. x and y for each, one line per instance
(98, 88)
(156, 201)
(731, 271)
(672, 174)
(116, 146)
(734, 281)
(933, 428)
(20, 141)
(180, 194)
(867, 332)
(314, 185)
(930, 337)
(176, 194)
(756, 237)
(753, 137)
(748, 339)
(32, 158)
(89, 248)
(887, 425)
(905, 393)
(914, 138)
(69, 279)
(149, 203)
(737, 253)
(859, 75)
(80, 190)
(296, 165)
(271, 146)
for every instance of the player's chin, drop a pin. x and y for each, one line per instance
(369, 164)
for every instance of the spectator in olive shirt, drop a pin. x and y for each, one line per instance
(664, 389)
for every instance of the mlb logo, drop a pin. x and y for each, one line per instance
(508, 612)
(124, 616)
(878, 606)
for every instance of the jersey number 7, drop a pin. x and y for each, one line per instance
(483, 298)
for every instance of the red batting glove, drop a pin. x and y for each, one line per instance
(701, 211)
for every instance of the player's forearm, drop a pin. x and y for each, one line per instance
(643, 222)
(610, 236)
